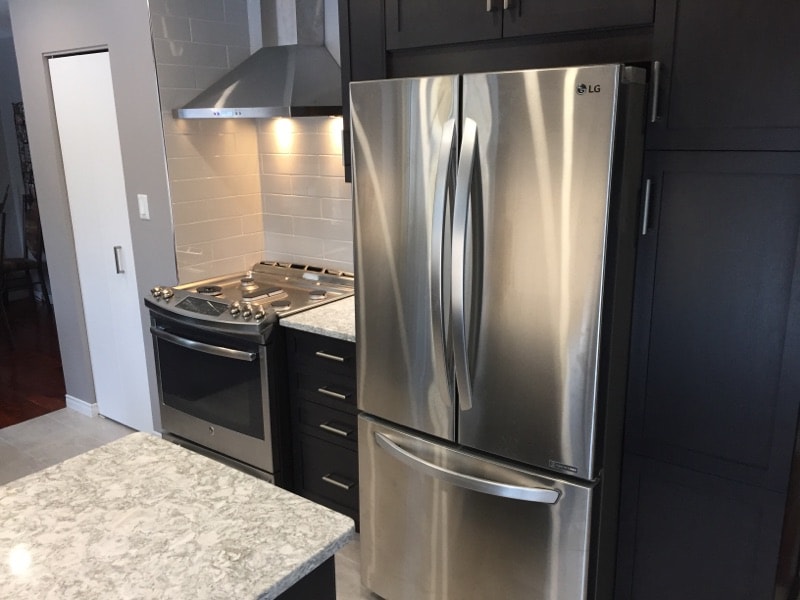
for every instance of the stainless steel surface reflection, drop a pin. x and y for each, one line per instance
(544, 154)
(461, 543)
(398, 128)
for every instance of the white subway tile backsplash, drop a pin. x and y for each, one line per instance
(174, 52)
(184, 213)
(171, 28)
(341, 252)
(235, 11)
(193, 254)
(243, 206)
(321, 187)
(324, 229)
(230, 247)
(277, 223)
(302, 206)
(207, 231)
(289, 164)
(158, 7)
(276, 185)
(331, 165)
(337, 208)
(176, 76)
(199, 9)
(295, 244)
(237, 54)
(243, 190)
(219, 32)
(254, 224)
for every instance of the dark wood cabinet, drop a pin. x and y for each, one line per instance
(421, 23)
(714, 386)
(686, 534)
(322, 398)
(730, 75)
(714, 381)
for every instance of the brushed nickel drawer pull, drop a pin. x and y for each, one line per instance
(338, 431)
(332, 357)
(332, 394)
(343, 485)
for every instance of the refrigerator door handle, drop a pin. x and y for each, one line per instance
(447, 156)
(466, 165)
(470, 482)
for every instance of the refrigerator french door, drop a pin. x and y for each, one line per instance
(495, 221)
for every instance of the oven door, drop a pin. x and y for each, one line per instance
(214, 391)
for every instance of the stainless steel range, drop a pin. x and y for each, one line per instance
(218, 354)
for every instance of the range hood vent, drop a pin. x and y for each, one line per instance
(292, 80)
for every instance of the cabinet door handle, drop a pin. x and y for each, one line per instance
(332, 394)
(345, 484)
(648, 188)
(505, 4)
(327, 356)
(656, 83)
(489, 6)
(328, 426)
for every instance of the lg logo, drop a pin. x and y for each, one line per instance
(591, 89)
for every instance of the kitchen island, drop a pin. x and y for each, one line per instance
(143, 518)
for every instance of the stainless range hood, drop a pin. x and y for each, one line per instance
(296, 79)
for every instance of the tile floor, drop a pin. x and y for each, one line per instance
(44, 441)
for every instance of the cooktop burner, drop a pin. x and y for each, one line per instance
(252, 300)
(209, 290)
(281, 305)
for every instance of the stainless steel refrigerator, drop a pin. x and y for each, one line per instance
(495, 227)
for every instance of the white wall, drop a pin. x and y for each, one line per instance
(41, 28)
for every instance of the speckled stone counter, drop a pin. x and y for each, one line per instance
(143, 518)
(336, 320)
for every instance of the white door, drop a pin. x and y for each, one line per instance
(86, 117)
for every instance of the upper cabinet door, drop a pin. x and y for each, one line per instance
(418, 23)
(730, 75)
(529, 17)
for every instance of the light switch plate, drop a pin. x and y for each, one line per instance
(144, 209)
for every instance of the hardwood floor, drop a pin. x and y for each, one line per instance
(31, 378)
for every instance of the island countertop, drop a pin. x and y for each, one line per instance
(143, 518)
(335, 319)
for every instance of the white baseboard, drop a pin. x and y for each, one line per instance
(88, 409)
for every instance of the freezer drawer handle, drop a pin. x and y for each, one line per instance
(345, 485)
(327, 356)
(329, 427)
(332, 394)
(202, 347)
(477, 484)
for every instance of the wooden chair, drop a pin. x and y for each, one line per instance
(17, 272)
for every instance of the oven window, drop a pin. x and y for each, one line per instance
(221, 390)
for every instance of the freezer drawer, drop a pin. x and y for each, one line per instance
(440, 523)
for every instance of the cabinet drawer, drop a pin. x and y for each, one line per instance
(330, 471)
(329, 424)
(319, 352)
(325, 388)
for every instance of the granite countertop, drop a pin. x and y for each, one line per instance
(335, 319)
(143, 518)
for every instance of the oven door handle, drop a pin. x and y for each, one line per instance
(201, 347)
